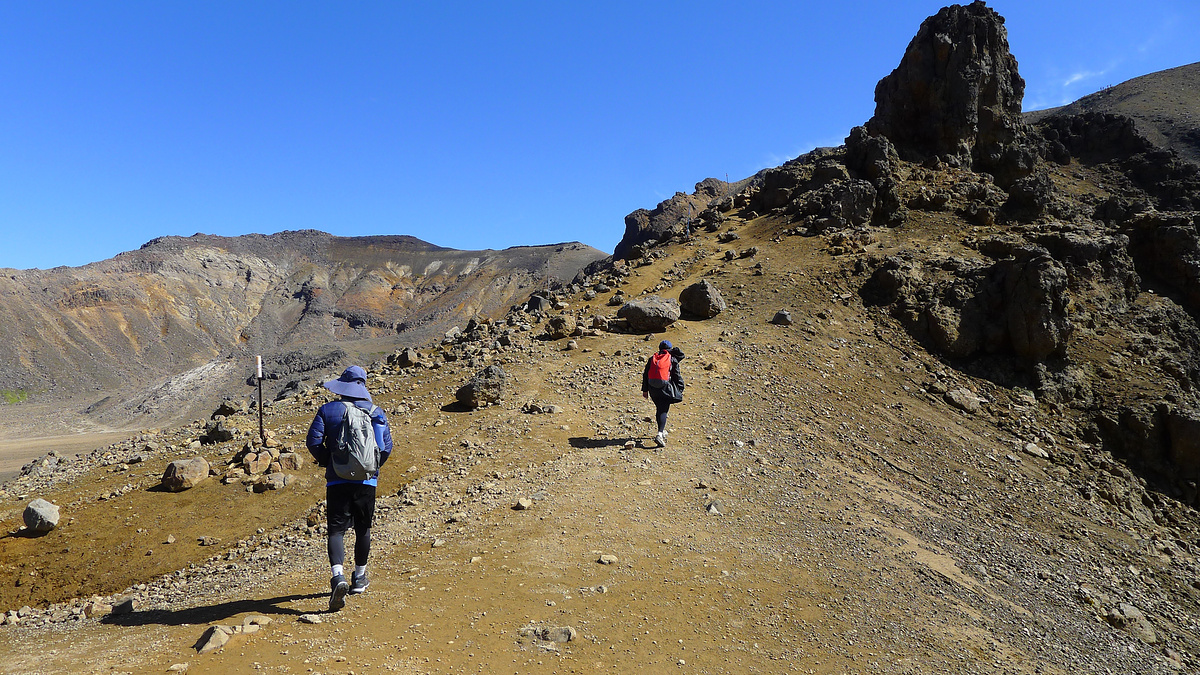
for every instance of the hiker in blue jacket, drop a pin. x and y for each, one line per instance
(663, 383)
(347, 501)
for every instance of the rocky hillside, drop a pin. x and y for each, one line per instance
(940, 412)
(153, 335)
(1162, 105)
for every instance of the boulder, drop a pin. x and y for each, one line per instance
(486, 387)
(782, 318)
(185, 473)
(956, 95)
(290, 461)
(1036, 306)
(650, 314)
(871, 157)
(537, 303)
(702, 299)
(405, 358)
(228, 407)
(216, 432)
(256, 462)
(561, 326)
(40, 515)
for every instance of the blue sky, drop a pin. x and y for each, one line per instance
(469, 125)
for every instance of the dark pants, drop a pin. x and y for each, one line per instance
(346, 504)
(662, 405)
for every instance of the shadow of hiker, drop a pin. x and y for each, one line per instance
(212, 613)
(586, 442)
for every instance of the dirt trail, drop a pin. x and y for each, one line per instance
(816, 510)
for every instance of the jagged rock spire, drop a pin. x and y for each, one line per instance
(956, 95)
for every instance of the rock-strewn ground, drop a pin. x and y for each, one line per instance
(821, 506)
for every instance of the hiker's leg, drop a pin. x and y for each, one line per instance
(337, 550)
(337, 520)
(661, 409)
(362, 548)
(363, 509)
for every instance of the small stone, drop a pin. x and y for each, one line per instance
(170, 539)
(476, 558)
(560, 634)
(782, 318)
(607, 559)
(178, 668)
(213, 639)
(438, 543)
(1035, 450)
(714, 509)
(127, 605)
(309, 618)
(523, 503)
(95, 609)
(256, 620)
(963, 399)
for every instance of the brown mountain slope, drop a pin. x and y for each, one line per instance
(1165, 106)
(181, 317)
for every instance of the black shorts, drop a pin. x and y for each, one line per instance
(348, 503)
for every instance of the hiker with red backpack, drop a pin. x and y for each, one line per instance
(663, 384)
(351, 438)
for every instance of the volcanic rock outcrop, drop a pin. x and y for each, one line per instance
(956, 96)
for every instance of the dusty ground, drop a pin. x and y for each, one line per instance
(817, 510)
(16, 453)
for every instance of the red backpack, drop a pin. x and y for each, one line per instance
(660, 370)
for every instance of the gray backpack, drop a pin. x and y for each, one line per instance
(355, 455)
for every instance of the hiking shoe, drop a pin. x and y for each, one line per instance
(337, 595)
(660, 439)
(359, 583)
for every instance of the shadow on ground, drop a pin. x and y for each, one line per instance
(213, 613)
(586, 442)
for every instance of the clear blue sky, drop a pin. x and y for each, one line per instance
(470, 125)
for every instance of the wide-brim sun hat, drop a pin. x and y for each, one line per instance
(352, 383)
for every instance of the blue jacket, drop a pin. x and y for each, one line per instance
(330, 417)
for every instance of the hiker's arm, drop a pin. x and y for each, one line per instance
(316, 439)
(383, 435)
(646, 379)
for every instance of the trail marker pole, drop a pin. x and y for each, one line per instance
(262, 434)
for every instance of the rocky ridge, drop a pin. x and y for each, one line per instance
(158, 334)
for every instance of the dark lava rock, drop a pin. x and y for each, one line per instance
(956, 95)
(216, 432)
(702, 299)
(486, 387)
(650, 314)
(670, 217)
(228, 407)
